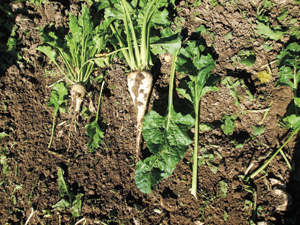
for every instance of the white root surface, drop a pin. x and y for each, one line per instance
(77, 94)
(139, 85)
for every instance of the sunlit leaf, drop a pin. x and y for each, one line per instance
(167, 140)
(222, 188)
(228, 124)
(77, 205)
(95, 134)
(258, 130)
(265, 30)
(62, 184)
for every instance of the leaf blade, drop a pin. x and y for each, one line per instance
(168, 143)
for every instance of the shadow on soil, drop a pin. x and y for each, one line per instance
(8, 37)
(292, 216)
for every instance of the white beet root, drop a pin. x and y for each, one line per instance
(139, 85)
(77, 94)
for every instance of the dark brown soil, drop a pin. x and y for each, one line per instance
(28, 175)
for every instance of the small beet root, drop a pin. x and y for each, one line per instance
(77, 94)
(139, 85)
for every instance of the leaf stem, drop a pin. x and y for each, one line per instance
(125, 53)
(72, 79)
(136, 46)
(295, 88)
(145, 30)
(99, 101)
(273, 156)
(171, 86)
(129, 44)
(53, 126)
(195, 153)
(254, 213)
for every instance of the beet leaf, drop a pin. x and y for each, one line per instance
(93, 129)
(289, 70)
(167, 139)
(68, 200)
(59, 96)
(78, 48)
(197, 66)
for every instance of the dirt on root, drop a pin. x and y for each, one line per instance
(28, 176)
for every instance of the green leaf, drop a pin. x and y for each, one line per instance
(186, 89)
(167, 140)
(228, 124)
(160, 18)
(283, 15)
(289, 57)
(201, 161)
(85, 21)
(286, 77)
(95, 134)
(62, 204)
(59, 96)
(248, 61)
(294, 47)
(63, 186)
(47, 50)
(68, 200)
(265, 30)
(212, 167)
(169, 41)
(78, 48)
(259, 130)
(75, 30)
(222, 188)
(77, 204)
(292, 121)
(198, 67)
(205, 127)
(297, 101)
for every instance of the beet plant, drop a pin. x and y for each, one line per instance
(197, 66)
(133, 28)
(77, 51)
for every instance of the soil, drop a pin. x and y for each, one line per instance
(28, 176)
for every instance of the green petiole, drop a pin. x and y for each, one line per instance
(53, 126)
(145, 49)
(136, 46)
(195, 153)
(273, 156)
(122, 45)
